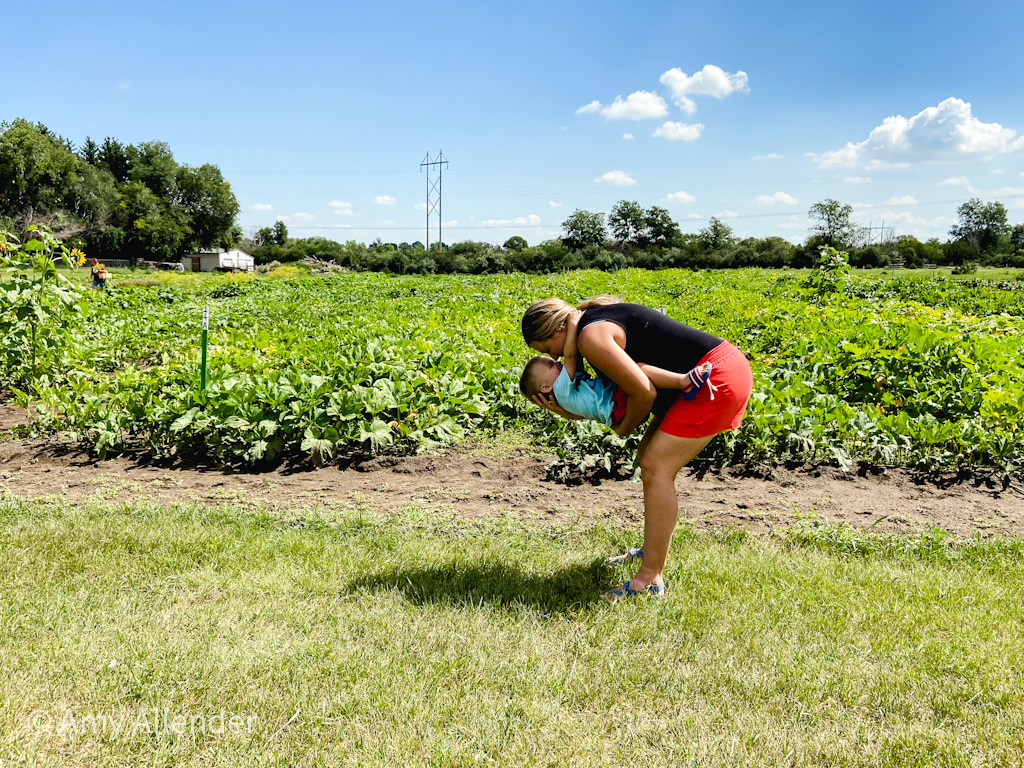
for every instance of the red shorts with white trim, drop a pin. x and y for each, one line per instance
(702, 416)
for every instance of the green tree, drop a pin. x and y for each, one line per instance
(114, 158)
(660, 228)
(583, 228)
(38, 173)
(982, 225)
(209, 204)
(628, 223)
(515, 243)
(1017, 237)
(716, 236)
(832, 226)
(279, 233)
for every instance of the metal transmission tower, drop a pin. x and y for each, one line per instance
(434, 192)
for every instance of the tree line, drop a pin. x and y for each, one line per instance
(110, 199)
(127, 201)
(632, 236)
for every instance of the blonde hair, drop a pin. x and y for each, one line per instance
(543, 318)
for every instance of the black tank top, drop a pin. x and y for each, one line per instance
(655, 339)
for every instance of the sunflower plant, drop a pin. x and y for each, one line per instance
(36, 303)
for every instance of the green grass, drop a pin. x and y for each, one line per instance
(354, 639)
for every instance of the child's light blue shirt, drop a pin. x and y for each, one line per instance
(586, 397)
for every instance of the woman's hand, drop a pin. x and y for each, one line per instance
(547, 402)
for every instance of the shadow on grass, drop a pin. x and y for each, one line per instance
(494, 584)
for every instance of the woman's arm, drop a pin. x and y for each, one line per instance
(547, 402)
(603, 344)
(569, 352)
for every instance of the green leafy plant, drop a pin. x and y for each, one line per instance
(831, 273)
(37, 303)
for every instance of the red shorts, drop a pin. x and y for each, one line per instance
(702, 416)
(619, 401)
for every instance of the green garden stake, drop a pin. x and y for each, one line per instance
(206, 328)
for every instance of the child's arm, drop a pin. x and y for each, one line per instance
(663, 379)
(569, 352)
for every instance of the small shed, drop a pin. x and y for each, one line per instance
(218, 259)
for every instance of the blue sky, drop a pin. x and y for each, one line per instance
(320, 113)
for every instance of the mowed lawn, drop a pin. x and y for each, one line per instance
(354, 639)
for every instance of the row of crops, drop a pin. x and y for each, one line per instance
(924, 373)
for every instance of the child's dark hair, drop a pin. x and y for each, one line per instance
(529, 381)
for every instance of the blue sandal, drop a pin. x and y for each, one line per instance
(630, 555)
(621, 593)
(697, 381)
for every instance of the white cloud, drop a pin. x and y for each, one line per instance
(999, 171)
(452, 223)
(958, 181)
(857, 179)
(710, 81)
(533, 220)
(694, 216)
(384, 200)
(628, 136)
(1008, 192)
(304, 216)
(727, 214)
(679, 197)
(904, 200)
(262, 207)
(616, 178)
(553, 204)
(779, 198)
(772, 156)
(420, 206)
(679, 131)
(388, 223)
(640, 105)
(341, 208)
(945, 132)
(283, 218)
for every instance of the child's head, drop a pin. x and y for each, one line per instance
(539, 376)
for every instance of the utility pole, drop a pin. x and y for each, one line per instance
(434, 192)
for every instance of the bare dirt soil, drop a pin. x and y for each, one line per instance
(476, 483)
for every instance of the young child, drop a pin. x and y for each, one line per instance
(597, 399)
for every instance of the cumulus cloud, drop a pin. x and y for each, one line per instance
(628, 136)
(640, 105)
(452, 223)
(694, 216)
(384, 200)
(857, 179)
(958, 181)
(341, 208)
(532, 220)
(779, 198)
(616, 178)
(679, 131)
(772, 156)
(904, 200)
(679, 197)
(553, 204)
(283, 218)
(420, 206)
(727, 214)
(947, 131)
(710, 81)
(262, 207)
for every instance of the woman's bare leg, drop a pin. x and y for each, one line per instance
(663, 457)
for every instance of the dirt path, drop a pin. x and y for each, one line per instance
(514, 485)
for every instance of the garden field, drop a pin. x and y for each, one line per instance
(925, 374)
(356, 541)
